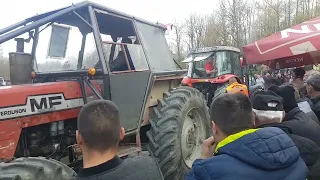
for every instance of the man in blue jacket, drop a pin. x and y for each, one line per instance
(238, 152)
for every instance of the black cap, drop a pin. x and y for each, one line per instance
(299, 72)
(267, 101)
(287, 92)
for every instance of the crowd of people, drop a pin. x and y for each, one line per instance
(273, 134)
(270, 133)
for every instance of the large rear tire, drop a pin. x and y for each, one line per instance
(35, 168)
(179, 124)
(219, 92)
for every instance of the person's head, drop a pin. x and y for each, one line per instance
(310, 73)
(256, 76)
(99, 128)
(268, 108)
(232, 80)
(279, 75)
(230, 114)
(298, 73)
(210, 59)
(270, 81)
(287, 92)
(313, 85)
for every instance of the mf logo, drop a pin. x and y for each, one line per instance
(46, 102)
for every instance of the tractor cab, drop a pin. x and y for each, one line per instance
(210, 68)
(213, 64)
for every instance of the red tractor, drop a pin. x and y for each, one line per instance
(133, 67)
(226, 62)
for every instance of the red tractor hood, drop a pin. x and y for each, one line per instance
(217, 80)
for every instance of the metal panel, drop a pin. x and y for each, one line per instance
(20, 68)
(156, 48)
(128, 91)
(58, 41)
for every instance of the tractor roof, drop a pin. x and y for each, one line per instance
(213, 49)
(44, 18)
(205, 52)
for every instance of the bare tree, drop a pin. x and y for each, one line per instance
(239, 22)
(195, 28)
(179, 28)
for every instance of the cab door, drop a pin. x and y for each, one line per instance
(129, 77)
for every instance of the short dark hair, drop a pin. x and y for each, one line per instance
(99, 125)
(299, 72)
(232, 113)
(314, 81)
(270, 81)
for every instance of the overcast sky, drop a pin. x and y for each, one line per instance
(163, 11)
(154, 10)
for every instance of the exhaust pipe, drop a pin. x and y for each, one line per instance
(20, 64)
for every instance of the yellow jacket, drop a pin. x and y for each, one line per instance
(237, 87)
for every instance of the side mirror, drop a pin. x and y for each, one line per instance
(58, 42)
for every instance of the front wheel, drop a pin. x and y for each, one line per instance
(179, 124)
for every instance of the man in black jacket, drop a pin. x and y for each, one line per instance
(296, 119)
(99, 133)
(302, 104)
(268, 109)
(305, 107)
(313, 90)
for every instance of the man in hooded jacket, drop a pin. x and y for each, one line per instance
(296, 119)
(268, 109)
(238, 151)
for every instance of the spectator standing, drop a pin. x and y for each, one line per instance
(99, 133)
(297, 82)
(313, 90)
(296, 119)
(304, 106)
(268, 108)
(271, 82)
(241, 152)
(259, 79)
(235, 86)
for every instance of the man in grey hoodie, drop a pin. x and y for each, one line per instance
(99, 133)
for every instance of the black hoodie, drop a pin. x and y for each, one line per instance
(301, 125)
